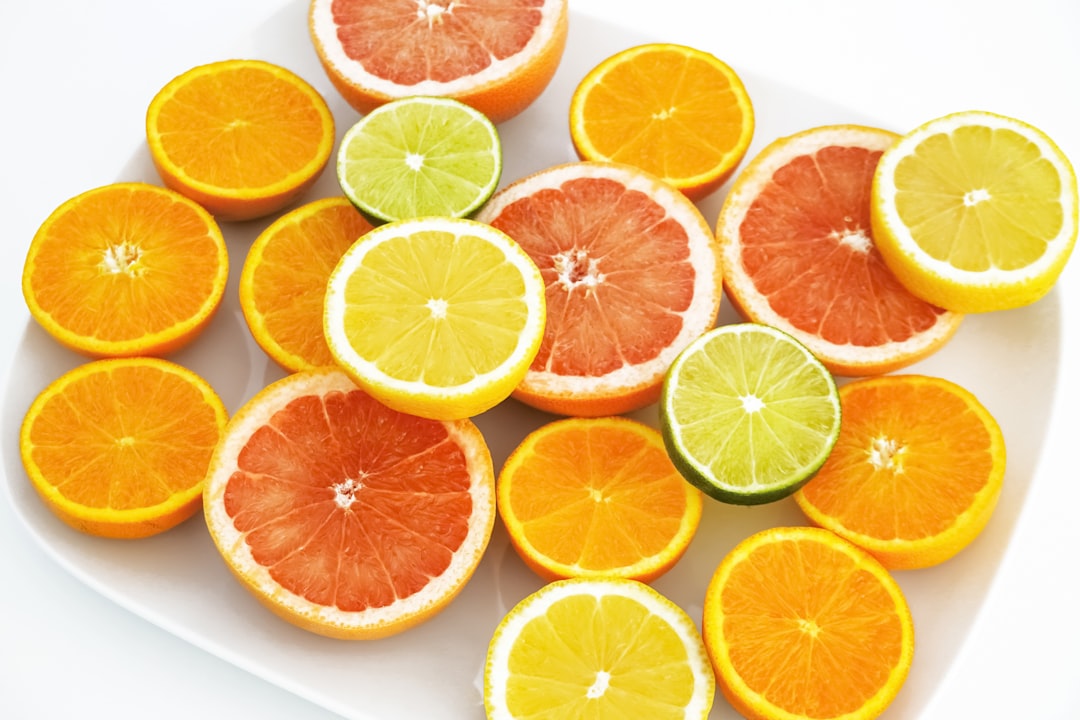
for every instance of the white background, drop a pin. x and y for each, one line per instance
(76, 80)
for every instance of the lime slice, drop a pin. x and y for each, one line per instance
(748, 414)
(420, 156)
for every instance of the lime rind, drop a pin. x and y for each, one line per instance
(748, 413)
(418, 157)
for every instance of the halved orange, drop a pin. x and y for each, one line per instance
(126, 269)
(678, 112)
(495, 56)
(120, 447)
(800, 254)
(243, 138)
(591, 497)
(632, 273)
(800, 624)
(345, 517)
(916, 472)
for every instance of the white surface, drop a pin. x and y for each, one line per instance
(997, 625)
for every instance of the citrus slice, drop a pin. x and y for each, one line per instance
(589, 497)
(420, 156)
(495, 56)
(975, 211)
(126, 269)
(678, 112)
(632, 273)
(437, 317)
(748, 414)
(597, 648)
(342, 516)
(915, 474)
(800, 254)
(801, 624)
(283, 281)
(244, 138)
(119, 447)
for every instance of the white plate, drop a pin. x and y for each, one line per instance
(1012, 361)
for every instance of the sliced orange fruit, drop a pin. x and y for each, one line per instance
(800, 624)
(345, 517)
(120, 447)
(126, 269)
(678, 112)
(800, 254)
(495, 56)
(632, 274)
(597, 648)
(243, 138)
(283, 281)
(589, 497)
(915, 474)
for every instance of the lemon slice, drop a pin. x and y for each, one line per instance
(975, 211)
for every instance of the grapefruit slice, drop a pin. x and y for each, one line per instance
(800, 255)
(343, 516)
(632, 274)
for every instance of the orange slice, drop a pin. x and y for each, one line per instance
(589, 497)
(120, 447)
(244, 138)
(495, 56)
(678, 112)
(345, 517)
(283, 281)
(126, 269)
(800, 624)
(632, 273)
(800, 254)
(915, 474)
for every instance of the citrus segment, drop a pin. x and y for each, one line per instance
(597, 648)
(125, 269)
(976, 211)
(284, 277)
(343, 516)
(437, 317)
(915, 474)
(119, 447)
(420, 156)
(632, 274)
(748, 414)
(244, 138)
(801, 624)
(678, 112)
(597, 497)
(800, 254)
(497, 56)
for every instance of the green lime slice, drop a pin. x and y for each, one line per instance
(420, 156)
(748, 414)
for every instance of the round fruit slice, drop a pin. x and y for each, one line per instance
(495, 56)
(801, 624)
(437, 317)
(678, 112)
(597, 648)
(748, 414)
(120, 447)
(915, 474)
(799, 254)
(589, 497)
(343, 516)
(244, 138)
(632, 273)
(126, 269)
(420, 156)
(283, 281)
(975, 211)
